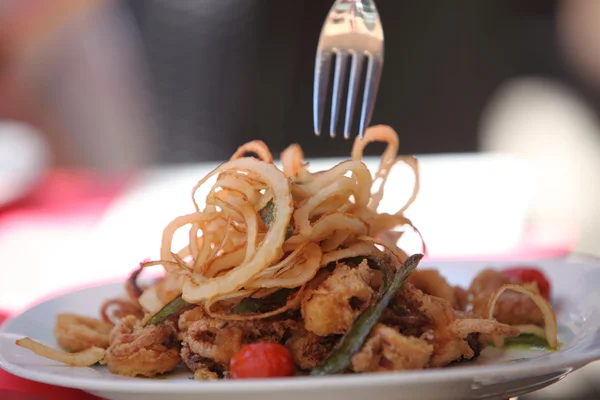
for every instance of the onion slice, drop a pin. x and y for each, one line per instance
(550, 326)
(267, 251)
(82, 359)
(257, 147)
(378, 133)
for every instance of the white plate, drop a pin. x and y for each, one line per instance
(577, 300)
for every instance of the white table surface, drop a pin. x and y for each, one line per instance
(469, 206)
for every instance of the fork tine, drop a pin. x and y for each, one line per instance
(355, 73)
(371, 85)
(338, 85)
(322, 66)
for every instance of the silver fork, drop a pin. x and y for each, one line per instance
(352, 31)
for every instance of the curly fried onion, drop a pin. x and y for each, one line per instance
(257, 147)
(263, 229)
(388, 159)
(269, 249)
(292, 160)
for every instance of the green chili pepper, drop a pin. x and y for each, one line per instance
(340, 359)
(271, 302)
(172, 307)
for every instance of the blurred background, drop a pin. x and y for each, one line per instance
(96, 93)
(217, 73)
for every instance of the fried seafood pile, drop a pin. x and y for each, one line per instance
(423, 326)
(304, 261)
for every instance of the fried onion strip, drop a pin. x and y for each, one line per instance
(268, 250)
(257, 147)
(262, 228)
(550, 326)
(82, 359)
(388, 159)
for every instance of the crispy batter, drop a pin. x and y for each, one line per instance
(188, 317)
(114, 310)
(478, 333)
(214, 339)
(203, 368)
(209, 343)
(308, 349)
(203, 373)
(333, 305)
(388, 350)
(484, 326)
(448, 346)
(142, 351)
(448, 334)
(277, 329)
(431, 282)
(405, 314)
(511, 308)
(77, 333)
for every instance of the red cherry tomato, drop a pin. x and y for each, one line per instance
(530, 275)
(262, 360)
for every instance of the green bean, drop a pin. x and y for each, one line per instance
(340, 359)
